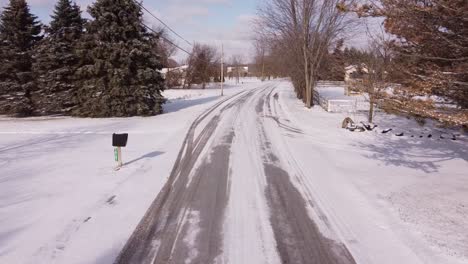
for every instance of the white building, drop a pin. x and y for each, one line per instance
(355, 71)
(242, 69)
(181, 69)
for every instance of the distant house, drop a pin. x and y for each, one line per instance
(174, 77)
(355, 72)
(242, 70)
(354, 76)
(181, 69)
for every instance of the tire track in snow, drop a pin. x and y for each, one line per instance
(159, 236)
(184, 223)
(298, 237)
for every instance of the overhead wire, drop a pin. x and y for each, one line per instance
(162, 22)
(159, 34)
(166, 39)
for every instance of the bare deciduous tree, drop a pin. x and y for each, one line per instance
(236, 63)
(378, 63)
(269, 60)
(304, 29)
(163, 47)
(203, 65)
(261, 49)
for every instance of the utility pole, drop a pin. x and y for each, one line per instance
(222, 69)
(263, 65)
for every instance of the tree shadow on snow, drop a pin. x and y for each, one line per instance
(425, 154)
(146, 156)
(179, 104)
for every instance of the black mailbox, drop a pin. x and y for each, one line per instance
(119, 140)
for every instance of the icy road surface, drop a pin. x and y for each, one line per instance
(186, 222)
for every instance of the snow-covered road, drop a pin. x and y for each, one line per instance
(252, 177)
(186, 223)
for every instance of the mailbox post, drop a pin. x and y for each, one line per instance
(118, 142)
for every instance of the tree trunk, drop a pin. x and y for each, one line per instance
(371, 92)
(310, 92)
(371, 111)
(308, 95)
(307, 76)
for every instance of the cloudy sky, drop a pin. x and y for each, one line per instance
(214, 22)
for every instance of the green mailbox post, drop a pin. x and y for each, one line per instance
(118, 142)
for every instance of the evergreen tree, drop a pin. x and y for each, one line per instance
(333, 67)
(120, 75)
(202, 65)
(67, 15)
(338, 68)
(56, 61)
(19, 32)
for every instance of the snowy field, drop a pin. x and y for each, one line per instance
(391, 199)
(383, 190)
(60, 199)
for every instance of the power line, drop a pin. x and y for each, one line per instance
(160, 35)
(162, 22)
(177, 46)
(170, 42)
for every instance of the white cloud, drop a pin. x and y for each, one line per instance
(184, 16)
(236, 39)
